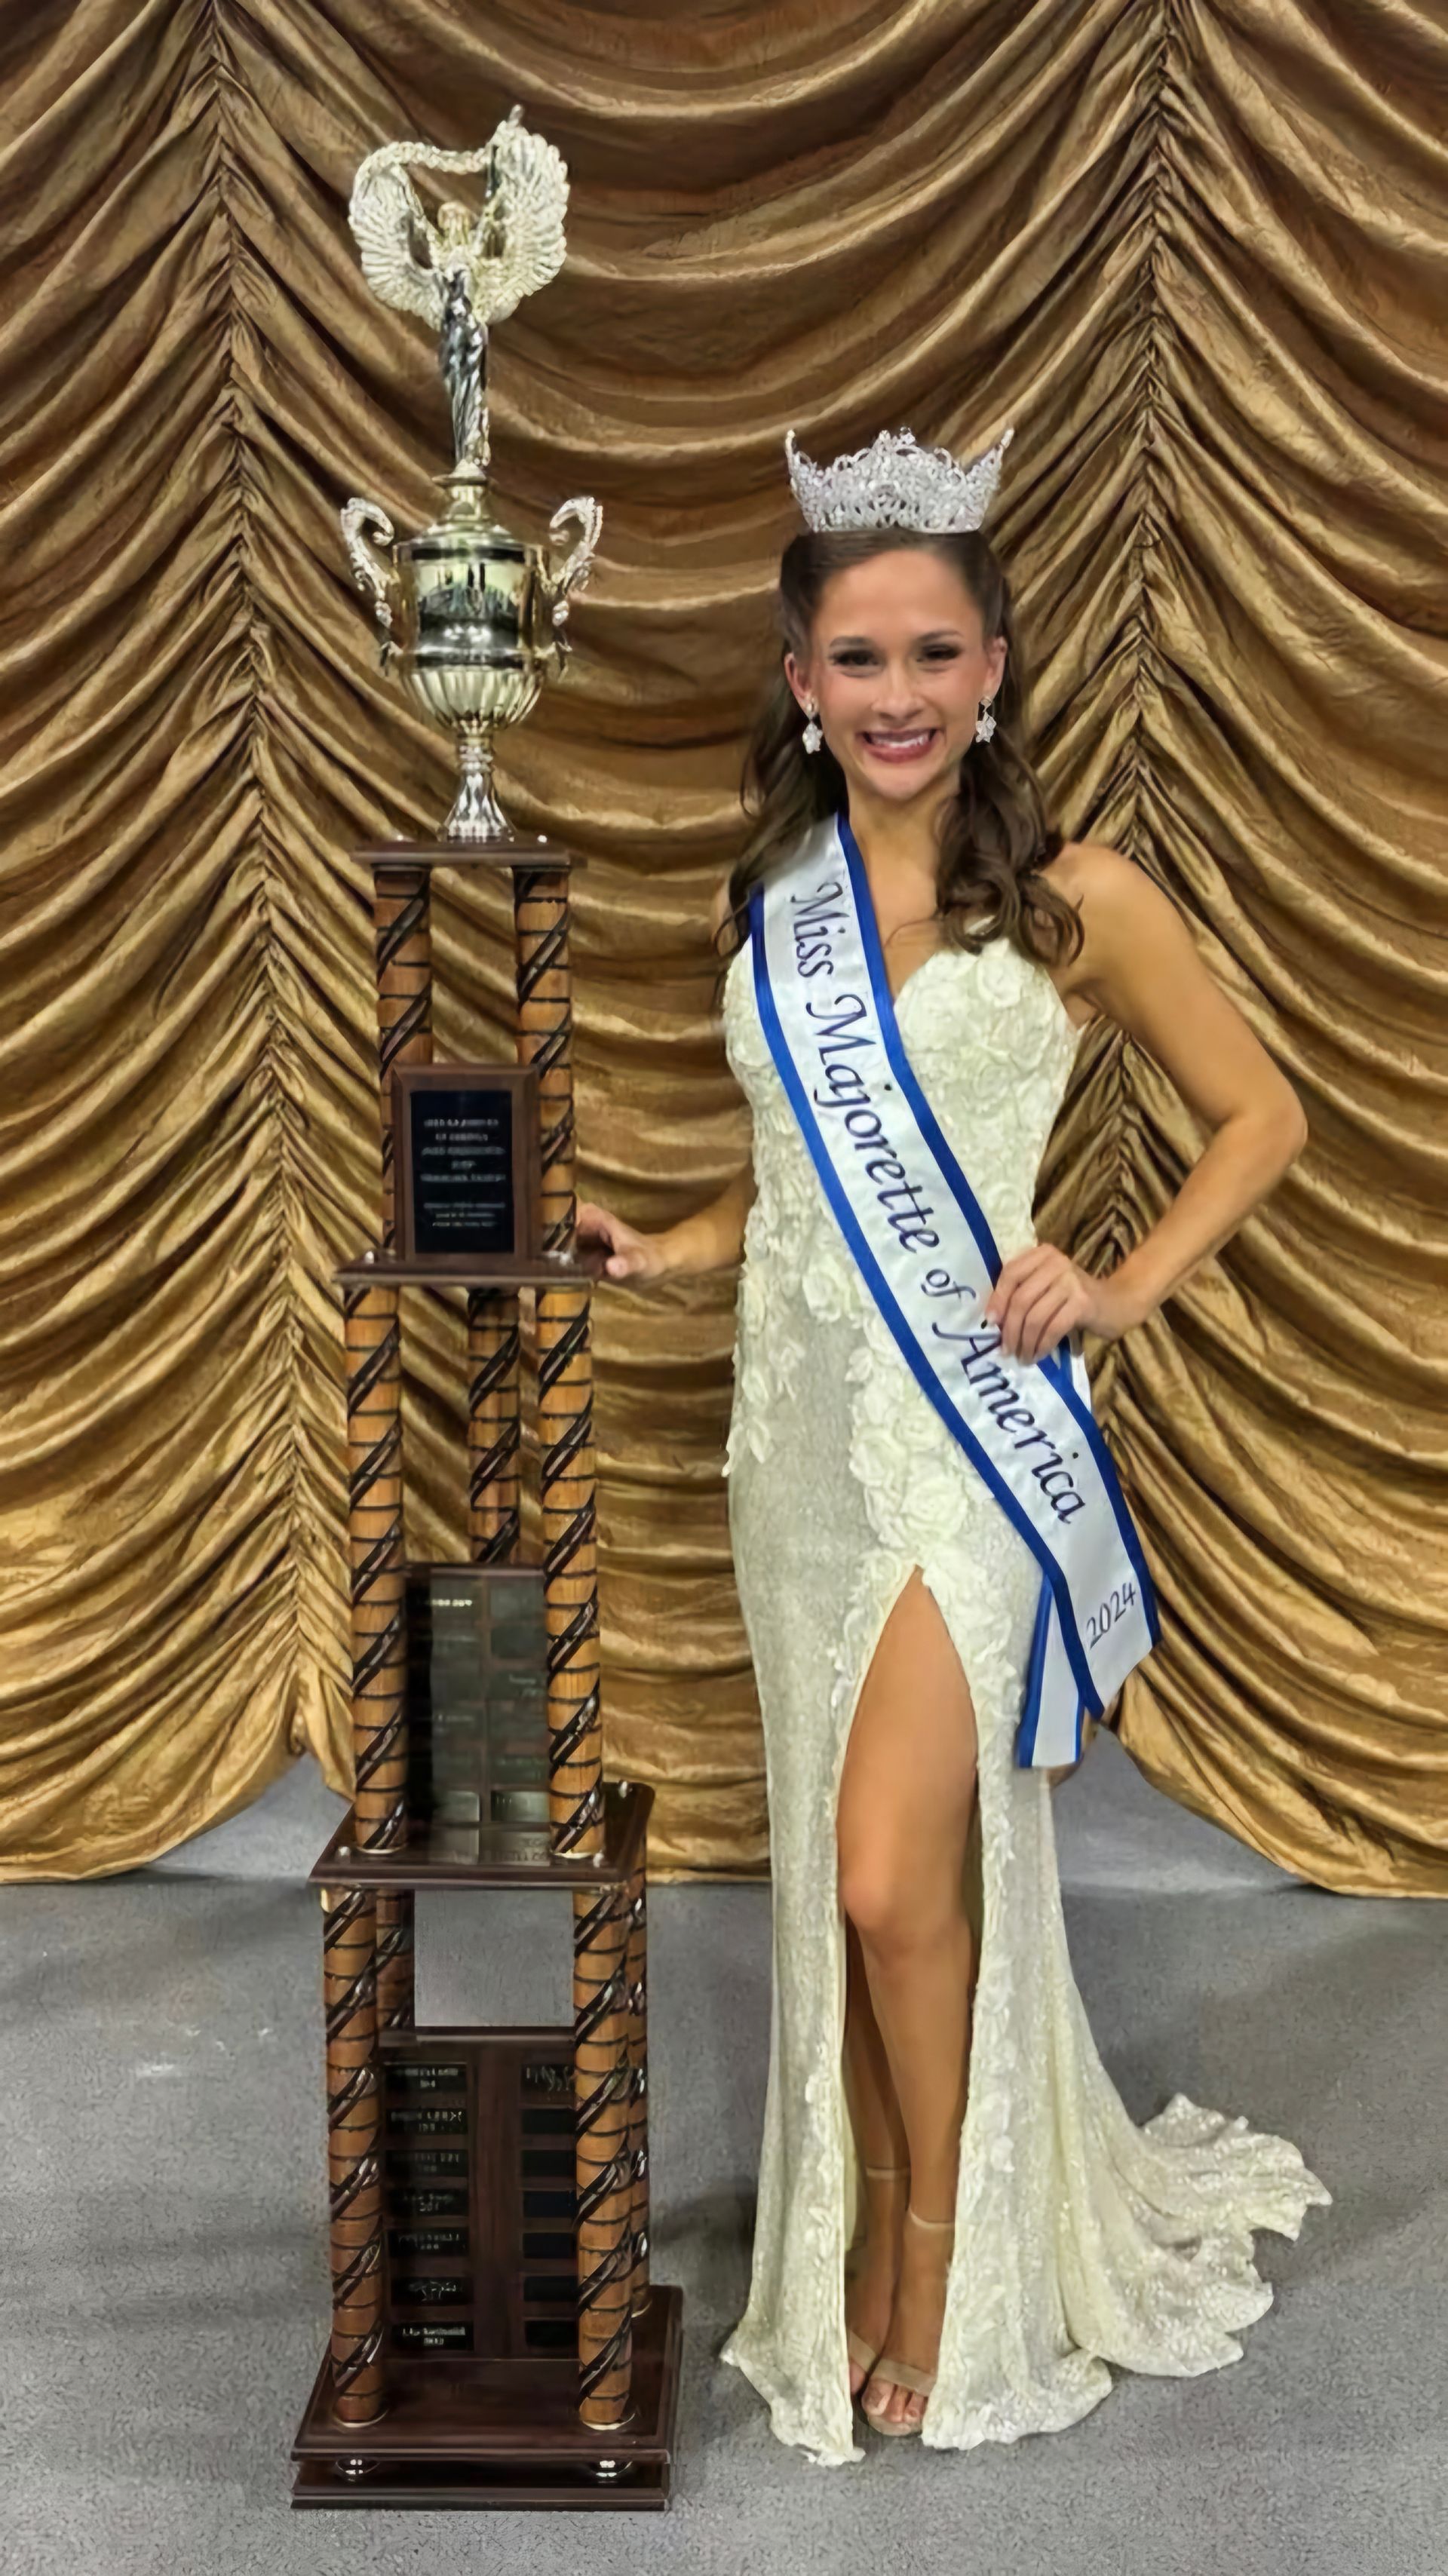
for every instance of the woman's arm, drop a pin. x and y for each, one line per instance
(711, 1240)
(1140, 966)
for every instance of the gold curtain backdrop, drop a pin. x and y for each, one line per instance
(1197, 252)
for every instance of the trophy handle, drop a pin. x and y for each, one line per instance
(558, 582)
(370, 575)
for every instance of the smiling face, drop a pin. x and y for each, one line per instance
(898, 667)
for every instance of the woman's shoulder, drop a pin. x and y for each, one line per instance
(1091, 872)
(1129, 923)
(1115, 900)
(1092, 877)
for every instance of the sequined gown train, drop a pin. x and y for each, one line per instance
(1080, 2239)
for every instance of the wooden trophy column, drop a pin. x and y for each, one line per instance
(495, 2341)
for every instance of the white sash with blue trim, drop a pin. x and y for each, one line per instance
(929, 1260)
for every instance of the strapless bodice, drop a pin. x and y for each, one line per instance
(992, 1044)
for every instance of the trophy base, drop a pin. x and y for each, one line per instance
(500, 2436)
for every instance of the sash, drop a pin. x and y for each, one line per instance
(927, 1255)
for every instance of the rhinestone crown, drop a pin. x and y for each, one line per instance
(895, 484)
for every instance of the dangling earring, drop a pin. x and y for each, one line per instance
(984, 723)
(812, 734)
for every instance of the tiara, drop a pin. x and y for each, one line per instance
(896, 484)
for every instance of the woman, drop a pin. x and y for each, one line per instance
(910, 1601)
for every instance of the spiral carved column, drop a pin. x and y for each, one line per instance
(349, 1994)
(375, 1549)
(565, 1376)
(545, 1034)
(379, 1639)
(566, 1491)
(402, 922)
(638, 2060)
(493, 1346)
(602, 2103)
(603, 2076)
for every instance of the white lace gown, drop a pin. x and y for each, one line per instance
(1081, 2239)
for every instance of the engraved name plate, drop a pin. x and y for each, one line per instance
(428, 2119)
(424, 2334)
(433, 2290)
(541, 2075)
(405, 2077)
(406, 2244)
(441, 2200)
(422, 2164)
(467, 1160)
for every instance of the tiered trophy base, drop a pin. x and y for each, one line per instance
(476, 2155)
(499, 2435)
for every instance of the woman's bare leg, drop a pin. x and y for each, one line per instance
(907, 1791)
(879, 2142)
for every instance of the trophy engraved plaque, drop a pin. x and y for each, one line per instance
(403, 2243)
(496, 2338)
(428, 2200)
(477, 1642)
(413, 2335)
(407, 2079)
(429, 2120)
(465, 1155)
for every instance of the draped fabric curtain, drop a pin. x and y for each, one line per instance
(1197, 252)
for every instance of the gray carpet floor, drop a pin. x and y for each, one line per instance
(163, 2250)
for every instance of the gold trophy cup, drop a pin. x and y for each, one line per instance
(470, 617)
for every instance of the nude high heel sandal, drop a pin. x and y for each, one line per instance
(862, 2354)
(900, 2374)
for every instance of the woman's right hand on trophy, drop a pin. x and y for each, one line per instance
(628, 1254)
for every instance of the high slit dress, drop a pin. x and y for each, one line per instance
(1081, 2239)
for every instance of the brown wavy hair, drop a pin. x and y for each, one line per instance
(995, 837)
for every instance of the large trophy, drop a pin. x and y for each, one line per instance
(496, 2340)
